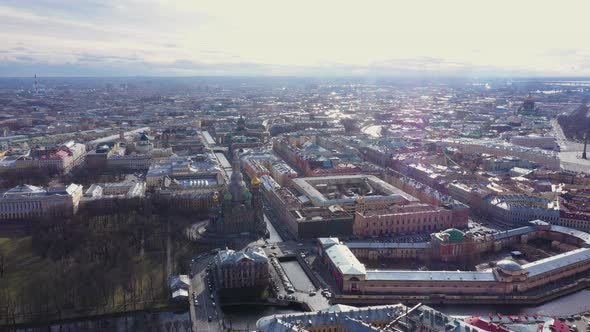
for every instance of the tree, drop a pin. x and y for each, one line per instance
(1, 263)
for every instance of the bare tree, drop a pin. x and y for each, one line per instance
(1, 263)
(186, 324)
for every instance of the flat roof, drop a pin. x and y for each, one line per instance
(208, 138)
(307, 187)
(572, 232)
(344, 260)
(557, 262)
(514, 232)
(387, 245)
(430, 275)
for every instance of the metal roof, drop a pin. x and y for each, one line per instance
(557, 262)
(573, 232)
(387, 245)
(430, 275)
(514, 232)
(344, 260)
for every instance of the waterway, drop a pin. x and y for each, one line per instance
(158, 321)
(245, 317)
(564, 306)
(297, 276)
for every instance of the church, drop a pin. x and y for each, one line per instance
(238, 210)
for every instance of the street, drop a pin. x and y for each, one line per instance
(570, 152)
(205, 310)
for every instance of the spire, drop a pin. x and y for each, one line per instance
(241, 123)
(237, 187)
(235, 167)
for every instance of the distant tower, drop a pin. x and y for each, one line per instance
(36, 85)
(241, 123)
(584, 156)
(528, 106)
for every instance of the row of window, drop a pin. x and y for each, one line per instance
(19, 206)
(442, 285)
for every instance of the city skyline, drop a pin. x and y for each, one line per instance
(186, 38)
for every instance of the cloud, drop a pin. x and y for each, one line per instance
(295, 38)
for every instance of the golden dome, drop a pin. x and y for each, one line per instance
(255, 181)
(216, 197)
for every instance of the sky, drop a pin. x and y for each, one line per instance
(302, 37)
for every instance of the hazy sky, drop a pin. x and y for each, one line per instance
(316, 37)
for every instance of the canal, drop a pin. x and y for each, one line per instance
(245, 317)
(157, 321)
(297, 276)
(564, 306)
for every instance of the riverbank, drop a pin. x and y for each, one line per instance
(527, 300)
(99, 320)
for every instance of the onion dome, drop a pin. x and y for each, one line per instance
(255, 181)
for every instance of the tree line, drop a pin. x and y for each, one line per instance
(98, 261)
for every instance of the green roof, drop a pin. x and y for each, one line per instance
(455, 235)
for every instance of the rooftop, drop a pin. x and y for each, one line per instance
(331, 190)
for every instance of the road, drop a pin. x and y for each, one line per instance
(275, 237)
(198, 285)
(116, 136)
(274, 225)
(301, 294)
(570, 152)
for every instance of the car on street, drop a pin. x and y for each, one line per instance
(209, 318)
